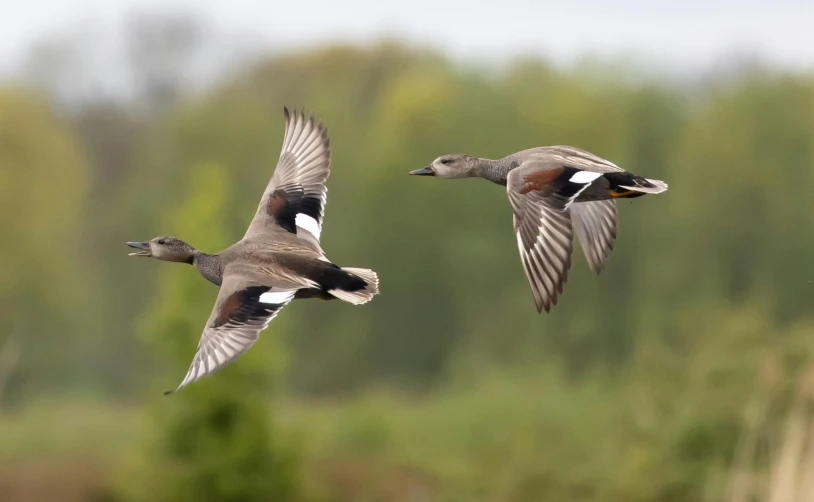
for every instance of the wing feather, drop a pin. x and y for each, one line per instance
(542, 224)
(296, 195)
(241, 312)
(595, 225)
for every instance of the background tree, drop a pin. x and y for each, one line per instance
(43, 182)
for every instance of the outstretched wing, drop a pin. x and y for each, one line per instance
(595, 225)
(295, 198)
(542, 225)
(242, 310)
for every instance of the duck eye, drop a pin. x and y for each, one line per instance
(161, 241)
(445, 161)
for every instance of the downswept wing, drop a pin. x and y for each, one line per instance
(594, 222)
(242, 310)
(595, 225)
(295, 198)
(542, 225)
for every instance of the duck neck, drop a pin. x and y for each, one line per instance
(209, 265)
(495, 171)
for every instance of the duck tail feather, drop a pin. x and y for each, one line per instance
(645, 185)
(363, 295)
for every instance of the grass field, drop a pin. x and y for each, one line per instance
(498, 439)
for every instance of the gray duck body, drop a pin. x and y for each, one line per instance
(554, 192)
(278, 260)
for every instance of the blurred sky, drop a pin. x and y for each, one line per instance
(687, 34)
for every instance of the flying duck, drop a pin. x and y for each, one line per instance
(279, 259)
(554, 191)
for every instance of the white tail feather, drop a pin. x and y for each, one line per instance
(363, 295)
(658, 187)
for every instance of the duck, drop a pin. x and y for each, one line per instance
(279, 259)
(554, 192)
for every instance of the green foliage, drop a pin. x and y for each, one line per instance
(634, 388)
(43, 183)
(662, 430)
(213, 440)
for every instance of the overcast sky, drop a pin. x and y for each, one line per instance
(663, 33)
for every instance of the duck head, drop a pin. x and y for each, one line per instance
(450, 166)
(164, 248)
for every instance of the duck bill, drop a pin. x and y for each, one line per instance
(143, 247)
(424, 171)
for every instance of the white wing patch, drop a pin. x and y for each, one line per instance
(308, 224)
(584, 177)
(275, 297)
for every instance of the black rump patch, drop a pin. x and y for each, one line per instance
(334, 277)
(329, 276)
(307, 293)
(624, 178)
